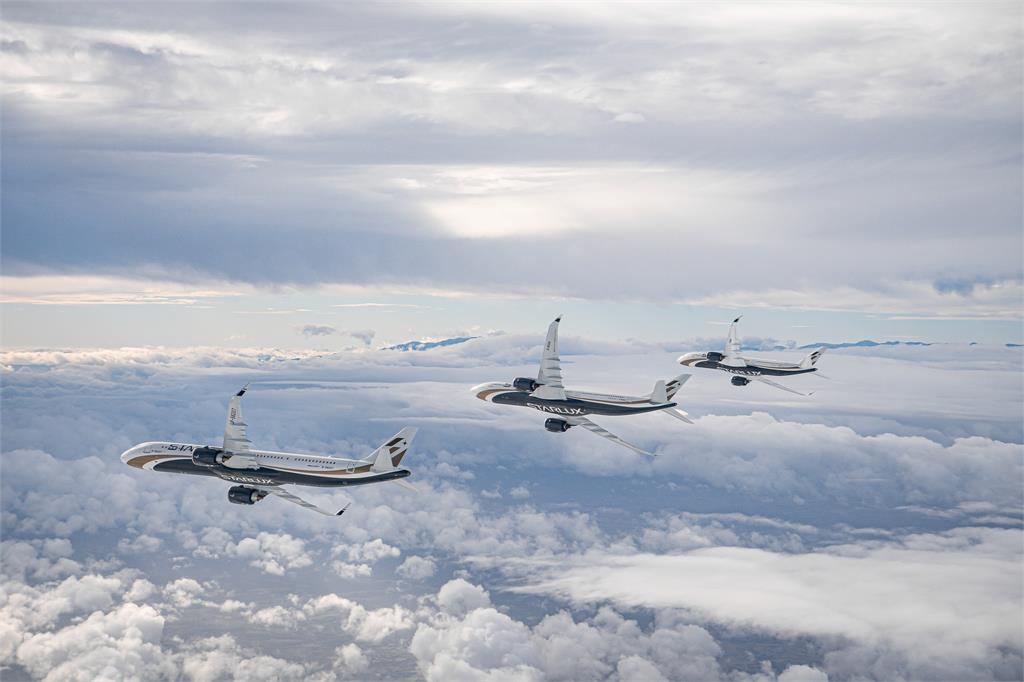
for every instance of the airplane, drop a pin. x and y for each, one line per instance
(570, 408)
(751, 369)
(263, 472)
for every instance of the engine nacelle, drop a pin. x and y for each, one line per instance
(207, 457)
(239, 494)
(525, 384)
(740, 381)
(557, 425)
(715, 356)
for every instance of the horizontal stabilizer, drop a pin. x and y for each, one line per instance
(678, 414)
(405, 484)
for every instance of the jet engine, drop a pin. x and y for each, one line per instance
(557, 425)
(207, 457)
(525, 384)
(740, 381)
(240, 494)
(715, 356)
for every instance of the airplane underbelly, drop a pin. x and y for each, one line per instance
(580, 408)
(266, 476)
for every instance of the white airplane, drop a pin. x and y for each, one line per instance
(751, 369)
(263, 472)
(547, 394)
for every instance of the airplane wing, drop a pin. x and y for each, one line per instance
(778, 385)
(732, 344)
(235, 439)
(604, 433)
(550, 375)
(295, 499)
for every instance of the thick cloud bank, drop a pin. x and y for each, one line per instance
(855, 534)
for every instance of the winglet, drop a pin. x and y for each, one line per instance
(343, 509)
(737, 319)
(242, 392)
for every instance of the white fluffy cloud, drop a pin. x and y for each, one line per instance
(808, 475)
(470, 639)
(350, 660)
(273, 552)
(416, 568)
(937, 602)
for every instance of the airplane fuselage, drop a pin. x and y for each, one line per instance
(749, 369)
(256, 467)
(576, 404)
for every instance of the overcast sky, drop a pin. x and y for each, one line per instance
(841, 169)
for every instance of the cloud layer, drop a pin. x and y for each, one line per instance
(728, 150)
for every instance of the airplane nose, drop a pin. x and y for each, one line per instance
(128, 454)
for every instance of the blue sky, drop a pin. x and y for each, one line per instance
(199, 196)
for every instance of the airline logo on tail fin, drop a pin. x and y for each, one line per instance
(672, 387)
(389, 455)
(811, 359)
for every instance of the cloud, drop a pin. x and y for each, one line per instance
(855, 479)
(939, 602)
(944, 299)
(317, 330)
(123, 643)
(273, 553)
(416, 568)
(79, 289)
(351, 660)
(237, 149)
(476, 641)
(364, 335)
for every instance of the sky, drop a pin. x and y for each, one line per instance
(199, 196)
(229, 175)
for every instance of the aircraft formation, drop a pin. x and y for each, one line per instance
(262, 473)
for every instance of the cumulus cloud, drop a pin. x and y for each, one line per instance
(851, 480)
(273, 552)
(469, 638)
(416, 568)
(351, 660)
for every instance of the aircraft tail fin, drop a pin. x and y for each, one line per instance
(672, 386)
(389, 455)
(660, 392)
(811, 359)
